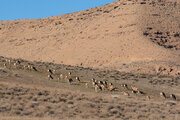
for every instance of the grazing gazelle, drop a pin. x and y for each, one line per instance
(105, 84)
(50, 77)
(126, 93)
(70, 80)
(33, 68)
(94, 82)
(102, 86)
(134, 92)
(61, 76)
(125, 86)
(140, 92)
(97, 88)
(148, 97)
(78, 79)
(173, 96)
(69, 73)
(15, 64)
(29, 67)
(134, 88)
(162, 94)
(5, 65)
(111, 87)
(93, 79)
(66, 77)
(18, 62)
(50, 71)
(9, 61)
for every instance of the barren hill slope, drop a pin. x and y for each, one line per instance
(135, 42)
(119, 33)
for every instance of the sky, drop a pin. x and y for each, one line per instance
(35, 9)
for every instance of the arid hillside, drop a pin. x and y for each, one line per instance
(122, 35)
(120, 61)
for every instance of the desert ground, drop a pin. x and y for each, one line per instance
(31, 94)
(126, 55)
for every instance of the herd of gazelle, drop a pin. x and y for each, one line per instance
(96, 84)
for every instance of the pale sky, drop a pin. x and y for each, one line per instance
(35, 9)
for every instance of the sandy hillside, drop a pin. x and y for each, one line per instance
(125, 32)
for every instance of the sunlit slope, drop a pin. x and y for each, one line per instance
(106, 36)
